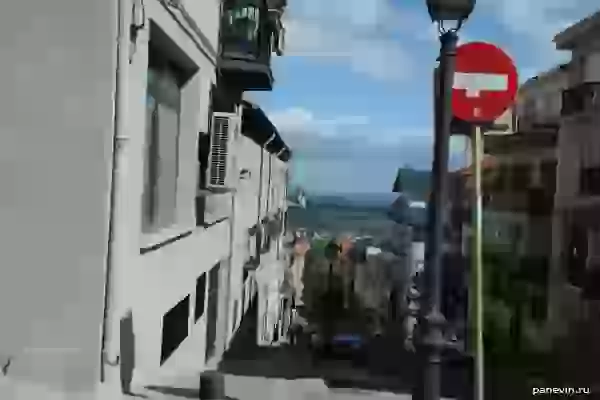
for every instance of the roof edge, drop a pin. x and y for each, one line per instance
(566, 39)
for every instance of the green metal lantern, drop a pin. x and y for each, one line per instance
(450, 10)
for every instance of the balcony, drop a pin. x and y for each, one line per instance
(515, 202)
(581, 100)
(523, 141)
(265, 245)
(254, 248)
(536, 123)
(250, 33)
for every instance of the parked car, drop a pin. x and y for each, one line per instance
(346, 340)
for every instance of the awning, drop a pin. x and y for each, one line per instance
(257, 126)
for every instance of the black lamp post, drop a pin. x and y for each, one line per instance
(432, 341)
(332, 253)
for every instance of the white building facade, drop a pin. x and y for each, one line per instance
(143, 196)
(576, 242)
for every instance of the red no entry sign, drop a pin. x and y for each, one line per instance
(485, 82)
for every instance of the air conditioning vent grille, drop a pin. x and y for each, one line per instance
(219, 151)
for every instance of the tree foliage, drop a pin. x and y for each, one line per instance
(505, 297)
(327, 295)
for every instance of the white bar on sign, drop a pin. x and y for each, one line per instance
(476, 82)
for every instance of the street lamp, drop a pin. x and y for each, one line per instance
(450, 10)
(432, 343)
(332, 253)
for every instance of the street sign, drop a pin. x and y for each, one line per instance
(485, 82)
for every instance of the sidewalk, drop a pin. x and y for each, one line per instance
(252, 372)
(268, 373)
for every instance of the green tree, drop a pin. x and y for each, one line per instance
(505, 299)
(325, 291)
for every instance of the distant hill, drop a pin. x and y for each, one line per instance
(335, 220)
(415, 185)
(354, 200)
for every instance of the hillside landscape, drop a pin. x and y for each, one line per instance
(358, 213)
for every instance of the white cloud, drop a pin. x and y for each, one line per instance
(351, 153)
(370, 36)
(349, 138)
(537, 22)
(356, 32)
(293, 119)
(300, 121)
(301, 126)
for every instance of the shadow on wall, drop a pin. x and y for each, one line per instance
(182, 392)
(127, 358)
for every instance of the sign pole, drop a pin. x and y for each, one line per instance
(476, 263)
(485, 85)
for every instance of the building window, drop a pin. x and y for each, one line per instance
(589, 181)
(236, 305)
(594, 181)
(497, 178)
(204, 142)
(245, 274)
(530, 108)
(521, 176)
(212, 310)
(548, 172)
(539, 305)
(200, 297)
(203, 150)
(165, 81)
(556, 104)
(582, 62)
(174, 328)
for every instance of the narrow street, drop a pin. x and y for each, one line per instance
(254, 373)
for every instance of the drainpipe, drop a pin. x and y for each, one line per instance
(260, 183)
(258, 221)
(232, 223)
(117, 249)
(259, 292)
(228, 334)
(269, 183)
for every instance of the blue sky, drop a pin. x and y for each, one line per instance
(353, 91)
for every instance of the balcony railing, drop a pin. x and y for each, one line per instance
(248, 30)
(538, 137)
(581, 99)
(245, 34)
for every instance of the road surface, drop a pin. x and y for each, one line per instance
(258, 373)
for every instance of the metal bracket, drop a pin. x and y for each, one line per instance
(6, 366)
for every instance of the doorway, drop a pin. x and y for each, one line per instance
(212, 311)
